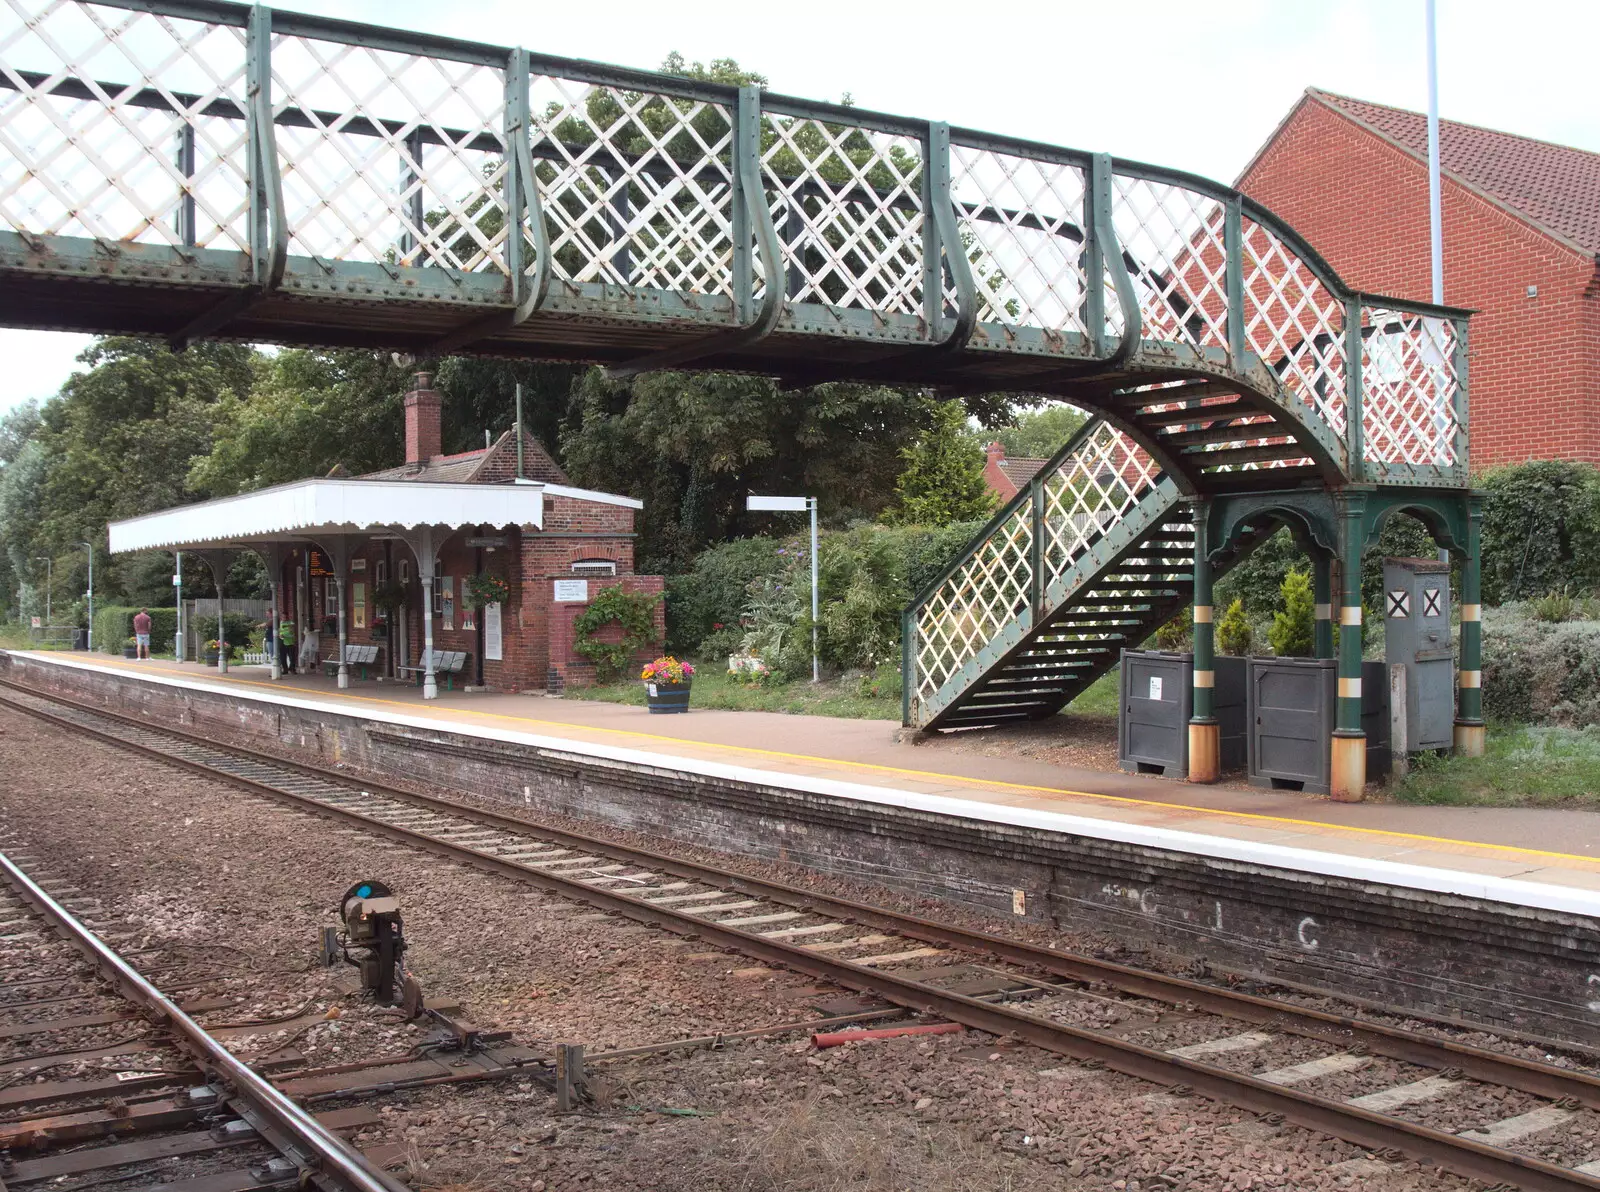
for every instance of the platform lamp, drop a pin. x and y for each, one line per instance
(89, 546)
(49, 565)
(757, 504)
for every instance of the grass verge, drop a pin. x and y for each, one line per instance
(714, 689)
(1522, 766)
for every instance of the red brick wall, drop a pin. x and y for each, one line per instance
(1363, 203)
(573, 668)
(994, 475)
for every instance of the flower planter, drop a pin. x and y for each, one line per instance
(130, 651)
(667, 698)
(210, 657)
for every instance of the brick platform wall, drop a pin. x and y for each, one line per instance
(1363, 203)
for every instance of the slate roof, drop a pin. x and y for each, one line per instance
(1020, 471)
(487, 465)
(1554, 186)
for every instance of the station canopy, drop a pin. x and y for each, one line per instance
(308, 509)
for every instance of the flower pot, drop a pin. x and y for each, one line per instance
(667, 697)
(210, 657)
(130, 651)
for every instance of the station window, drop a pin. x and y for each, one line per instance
(594, 567)
(380, 573)
(404, 567)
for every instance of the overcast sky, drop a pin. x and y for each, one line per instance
(1188, 83)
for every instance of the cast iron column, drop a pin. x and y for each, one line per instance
(1322, 587)
(1349, 746)
(1469, 734)
(1205, 735)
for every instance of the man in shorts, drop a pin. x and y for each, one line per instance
(141, 633)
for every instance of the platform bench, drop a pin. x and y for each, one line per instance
(447, 664)
(361, 656)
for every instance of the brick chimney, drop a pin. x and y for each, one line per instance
(424, 440)
(994, 475)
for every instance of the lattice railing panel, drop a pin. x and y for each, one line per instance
(637, 186)
(390, 157)
(1295, 323)
(1089, 492)
(847, 205)
(1173, 241)
(1022, 226)
(1409, 388)
(978, 600)
(110, 120)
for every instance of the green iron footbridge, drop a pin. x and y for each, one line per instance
(188, 169)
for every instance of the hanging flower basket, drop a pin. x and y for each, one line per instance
(480, 591)
(666, 685)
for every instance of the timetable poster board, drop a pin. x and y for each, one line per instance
(447, 601)
(358, 599)
(493, 645)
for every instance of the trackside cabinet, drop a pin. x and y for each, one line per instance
(1157, 699)
(1292, 704)
(1416, 635)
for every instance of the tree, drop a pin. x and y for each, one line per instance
(1293, 628)
(943, 477)
(1234, 633)
(1040, 433)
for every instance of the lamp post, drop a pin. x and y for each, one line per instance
(797, 505)
(89, 546)
(49, 564)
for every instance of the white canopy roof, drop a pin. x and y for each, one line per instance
(329, 506)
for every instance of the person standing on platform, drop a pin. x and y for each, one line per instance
(141, 633)
(286, 649)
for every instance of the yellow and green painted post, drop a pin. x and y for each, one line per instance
(1469, 730)
(1205, 735)
(1348, 778)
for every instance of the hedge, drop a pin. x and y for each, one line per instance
(1540, 671)
(113, 626)
(1541, 530)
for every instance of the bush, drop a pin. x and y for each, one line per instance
(633, 613)
(238, 626)
(1293, 633)
(1234, 633)
(1541, 530)
(113, 625)
(1540, 671)
(716, 590)
(1175, 634)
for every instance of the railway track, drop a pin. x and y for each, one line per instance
(179, 1111)
(1396, 1088)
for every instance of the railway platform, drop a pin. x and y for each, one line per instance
(1483, 912)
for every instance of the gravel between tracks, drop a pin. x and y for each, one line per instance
(198, 862)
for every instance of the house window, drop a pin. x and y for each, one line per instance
(594, 567)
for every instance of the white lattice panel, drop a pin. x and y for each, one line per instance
(975, 603)
(390, 157)
(96, 106)
(1409, 388)
(847, 206)
(637, 187)
(1022, 226)
(1089, 492)
(1174, 241)
(1295, 323)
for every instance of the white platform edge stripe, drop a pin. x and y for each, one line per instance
(1541, 895)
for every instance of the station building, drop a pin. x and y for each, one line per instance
(388, 559)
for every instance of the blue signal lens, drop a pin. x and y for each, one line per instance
(364, 892)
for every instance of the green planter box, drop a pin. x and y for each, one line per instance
(667, 698)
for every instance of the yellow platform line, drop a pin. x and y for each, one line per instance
(934, 775)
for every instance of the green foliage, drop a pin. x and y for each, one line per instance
(1541, 530)
(1544, 672)
(1235, 636)
(1555, 607)
(387, 597)
(1523, 766)
(633, 614)
(480, 590)
(238, 627)
(1175, 635)
(1293, 633)
(713, 592)
(1040, 433)
(943, 477)
(113, 625)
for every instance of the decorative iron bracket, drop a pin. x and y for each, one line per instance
(941, 246)
(751, 215)
(522, 199)
(1112, 258)
(269, 229)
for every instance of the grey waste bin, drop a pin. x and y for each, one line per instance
(80, 639)
(1292, 709)
(1156, 705)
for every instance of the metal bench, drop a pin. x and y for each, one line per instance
(447, 664)
(354, 655)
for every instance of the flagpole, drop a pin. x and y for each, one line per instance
(1435, 219)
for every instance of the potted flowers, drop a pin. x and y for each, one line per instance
(212, 649)
(130, 648)
(666, 685)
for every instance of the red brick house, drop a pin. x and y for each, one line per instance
(1007, 477)
(1521, 247)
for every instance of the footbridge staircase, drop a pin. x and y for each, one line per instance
(193, 168)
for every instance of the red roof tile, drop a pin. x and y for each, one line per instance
(1555, 186)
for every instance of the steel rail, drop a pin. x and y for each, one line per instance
(1478, 1063)
(327, 1154)
(1366, 1128)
